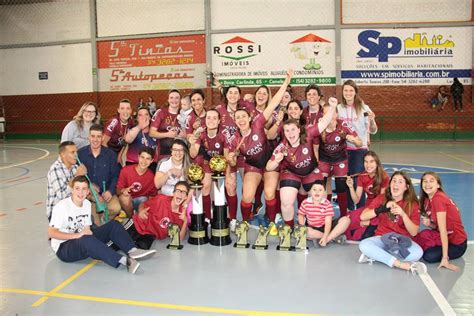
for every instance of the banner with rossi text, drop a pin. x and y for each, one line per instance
(421, 56)
(176, 62)
(253, 59)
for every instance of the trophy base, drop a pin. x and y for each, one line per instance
(300, 249)
(220, 232)
(236, 245)
(174, 247)
(260, 247)
(198, 230)
(280, 248)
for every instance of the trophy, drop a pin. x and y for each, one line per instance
(299, 233)
(198, 229)
(173, 234)
(261, 241)
(241, 229)
(220, 233)
(284, 233)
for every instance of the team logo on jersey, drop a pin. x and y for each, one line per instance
(136, 186)
(342, 165)
(164, 222)
(255, 138)
(337, 138)
(217, 145)
(305, 151)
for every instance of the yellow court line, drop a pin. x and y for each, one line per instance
(65, 283)
(150, 304)
(454, 157)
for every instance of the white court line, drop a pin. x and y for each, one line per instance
(426, 166)
(29, 161)
(439, 298)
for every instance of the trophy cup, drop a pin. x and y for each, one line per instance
(261, 241)
(241, 229)
(220, 233)
(198, 230)
(299, 233)
(284, 233)
(173, 234)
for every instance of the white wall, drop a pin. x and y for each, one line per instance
(44, 22)
(232, 14)
(129, 17)
(69, 69)
(404, 11)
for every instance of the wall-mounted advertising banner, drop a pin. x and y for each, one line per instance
(152, 64)
(253, 59)
(422, 56)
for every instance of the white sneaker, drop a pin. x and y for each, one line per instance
(278, 219)
(418, 268)
(364, 259)
(141, 253)
(232, 225)
(132, 265)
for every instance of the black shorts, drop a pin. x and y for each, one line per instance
(321, 228)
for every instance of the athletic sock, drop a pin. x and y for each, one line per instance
(232, 204)
(246, 209)
(271, 209)
(291, 223)
(123, 261)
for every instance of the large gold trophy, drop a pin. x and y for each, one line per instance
(198, 230)
(220, 233)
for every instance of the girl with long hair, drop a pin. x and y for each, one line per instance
(398, 213)
(446, 239)
(77, 130)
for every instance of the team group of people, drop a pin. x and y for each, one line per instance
(282, 148)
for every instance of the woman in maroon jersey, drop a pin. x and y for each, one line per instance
(165, 126)
(372, 182)
(252, 144)
(333, 155)
(446, 239)
(197, 121)
(298, 161)
(209, 143)
(313, 112)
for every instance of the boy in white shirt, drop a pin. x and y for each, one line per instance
(73, 239)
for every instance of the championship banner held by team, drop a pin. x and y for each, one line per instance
(177, 62)
(253, 59)
(424, 56)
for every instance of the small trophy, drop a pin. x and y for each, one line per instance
(261, 241)
(198, 234)
(173, 234)
(299, 233)
(241, 230)
(220, 233)
(284, 233)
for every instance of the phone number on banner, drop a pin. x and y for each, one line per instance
(276, 81)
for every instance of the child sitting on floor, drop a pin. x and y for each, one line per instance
(318, 214)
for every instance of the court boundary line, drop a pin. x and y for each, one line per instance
(437, 295)
(457, 158)
(64, 283)
(426, 166)
(47, 153)
(119, 301)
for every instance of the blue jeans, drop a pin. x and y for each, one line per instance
(373, 248)
(356, 165)
(94, 245)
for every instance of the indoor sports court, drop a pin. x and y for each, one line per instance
(409, 66)
(224, 280)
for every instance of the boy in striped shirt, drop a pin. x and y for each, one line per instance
(317, 213)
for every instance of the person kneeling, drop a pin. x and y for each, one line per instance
(73, 239)
(318, 213)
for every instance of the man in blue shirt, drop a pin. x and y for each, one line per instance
(102, 170)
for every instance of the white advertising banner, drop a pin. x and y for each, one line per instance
(253, 59)
(422, 56)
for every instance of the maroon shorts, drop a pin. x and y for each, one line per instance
(337, 169)
(289, 179)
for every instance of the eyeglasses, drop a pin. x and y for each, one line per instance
(177, 150)
(181, 191)
(90, 112)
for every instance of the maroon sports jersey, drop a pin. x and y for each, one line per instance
(211, 146)
(227, 117)
(366, 183)
(312, 118)
(192, 119)
(332, 147)
(164, 121)
(117, 130)
(299, 160)
(254, 147)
